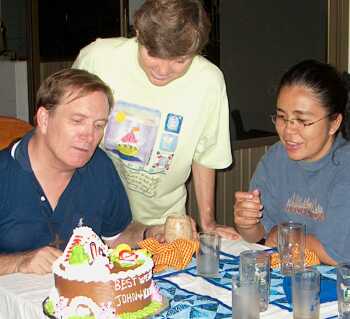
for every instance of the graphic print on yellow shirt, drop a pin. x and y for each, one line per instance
(131, 136)
(131, 133)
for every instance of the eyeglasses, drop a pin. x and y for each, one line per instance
(280, 120)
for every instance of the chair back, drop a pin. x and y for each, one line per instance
(12, 129)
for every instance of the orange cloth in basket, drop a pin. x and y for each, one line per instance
(311, 259)
(176, 254)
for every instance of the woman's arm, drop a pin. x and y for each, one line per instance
(204, 184)
(311, 243)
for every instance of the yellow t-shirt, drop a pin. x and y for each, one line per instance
(155, 132)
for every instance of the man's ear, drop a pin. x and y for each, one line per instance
(42, 119)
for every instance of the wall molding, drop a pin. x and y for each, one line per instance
(338, 34)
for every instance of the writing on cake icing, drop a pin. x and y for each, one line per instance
(132, 296)
(145, 277)
(122, 284)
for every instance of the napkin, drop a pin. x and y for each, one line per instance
(176, 254)
(311, 259)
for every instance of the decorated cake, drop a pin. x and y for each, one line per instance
(95, 282)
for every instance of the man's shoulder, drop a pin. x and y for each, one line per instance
(8, 173)
(207, 69)
(5, 159)
(103, 46)
(102, 55)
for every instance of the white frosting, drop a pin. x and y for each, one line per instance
(97, 268)
(75, 306)
(64, 311)
(86, 237)
(88, 273)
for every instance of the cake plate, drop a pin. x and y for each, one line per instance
(165, 305)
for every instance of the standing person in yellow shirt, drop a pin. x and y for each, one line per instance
(171, 111)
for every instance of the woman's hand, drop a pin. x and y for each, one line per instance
(247, 209)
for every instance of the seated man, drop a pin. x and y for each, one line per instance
(55, 178)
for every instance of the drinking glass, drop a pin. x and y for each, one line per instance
(245, 299)
(306, 294)
(254, 266)
(291, 246)
(207, 255)
(343, 290)
(178, 226)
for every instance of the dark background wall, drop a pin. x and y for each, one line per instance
(259, 40)
(252, 41)
(65, 26)
(13, 13)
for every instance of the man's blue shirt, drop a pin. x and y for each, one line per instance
(95, 197)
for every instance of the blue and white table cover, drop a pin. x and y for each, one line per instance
(190, 296)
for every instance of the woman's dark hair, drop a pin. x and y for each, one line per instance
(329, 86)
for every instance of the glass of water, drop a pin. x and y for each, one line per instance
(178, 226)
(208, 254)
(306, 294)
(343, 290)
(291, 245)
(254, 266)
(245, 299)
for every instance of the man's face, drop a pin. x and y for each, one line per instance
(161, 72)
(74, 128)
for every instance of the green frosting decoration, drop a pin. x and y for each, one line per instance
(78, 256)
(49, 307)
(149, 310)
(114, 256)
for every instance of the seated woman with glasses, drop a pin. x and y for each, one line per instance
(305, 177)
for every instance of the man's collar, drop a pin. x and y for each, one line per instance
(19, 151)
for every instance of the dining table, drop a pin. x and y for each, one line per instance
(188, 295)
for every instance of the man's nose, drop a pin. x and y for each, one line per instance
(89, 132)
